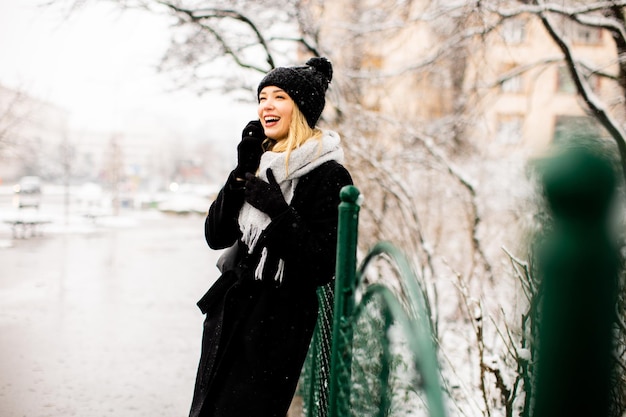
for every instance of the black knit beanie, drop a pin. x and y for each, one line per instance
(306, 85)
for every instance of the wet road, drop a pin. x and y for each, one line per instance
(102, 321)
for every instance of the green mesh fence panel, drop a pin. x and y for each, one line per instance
(382, 360)
(383, 380)
(314, 380)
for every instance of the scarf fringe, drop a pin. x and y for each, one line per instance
(279, 273)
(251, 235)
(258, 272)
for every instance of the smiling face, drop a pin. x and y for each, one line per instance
(275, 110)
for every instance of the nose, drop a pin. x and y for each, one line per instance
(268, 103)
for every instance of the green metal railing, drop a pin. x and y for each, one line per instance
(362, 357)
(578, 264)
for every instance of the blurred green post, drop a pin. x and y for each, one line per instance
(578, 266)
(345, 285)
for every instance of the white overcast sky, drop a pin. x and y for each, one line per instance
(99, 64)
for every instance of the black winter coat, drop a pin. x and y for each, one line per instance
(257, 333)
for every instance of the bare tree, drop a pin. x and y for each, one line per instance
(14, 111)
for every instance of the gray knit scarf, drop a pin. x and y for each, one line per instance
(302, 160)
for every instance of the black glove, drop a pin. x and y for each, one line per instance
(265, 196)
(250, 149)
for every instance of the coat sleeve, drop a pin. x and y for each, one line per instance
(221, 228)
(306, 237)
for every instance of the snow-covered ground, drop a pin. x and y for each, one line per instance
(98, 315)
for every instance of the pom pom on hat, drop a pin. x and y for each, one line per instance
(323, 66)
(306, 85)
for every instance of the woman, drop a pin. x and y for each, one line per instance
(278, 211)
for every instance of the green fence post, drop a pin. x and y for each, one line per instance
(578, 264)
(345, 284)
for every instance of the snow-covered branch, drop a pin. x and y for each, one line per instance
(582, 85)
(588, 15)
(200, 16)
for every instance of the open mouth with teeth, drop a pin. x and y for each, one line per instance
(271, 121)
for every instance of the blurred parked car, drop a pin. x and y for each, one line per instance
(28, 192)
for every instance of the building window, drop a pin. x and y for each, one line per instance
(586, 35)
(564, 82)
(576, 127)
(581, 34)
(509, 128)
(514, 31)
(511, 82)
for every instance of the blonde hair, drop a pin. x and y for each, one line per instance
(299, 133)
